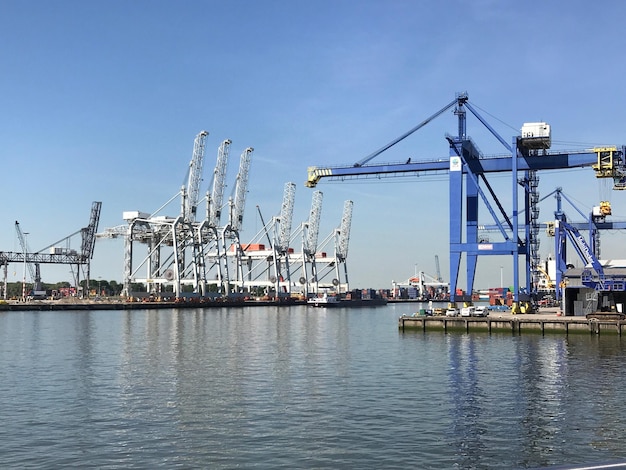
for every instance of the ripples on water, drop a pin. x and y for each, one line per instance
(299, 388)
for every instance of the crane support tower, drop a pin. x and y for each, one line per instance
(230, 233)
(310, 235)
(342, 240)
(468, 169)
(283, 236)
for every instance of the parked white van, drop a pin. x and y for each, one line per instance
(452, 312)
(481, 311)
(468, 311)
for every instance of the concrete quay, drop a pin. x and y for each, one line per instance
(545, 321)
(85, 304)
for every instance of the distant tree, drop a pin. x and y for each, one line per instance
(115, 288)
(14, 290)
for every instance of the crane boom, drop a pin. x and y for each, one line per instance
(313, 225)
(195, 176)
(498, 164)
(241, 189)
(286, 216)
(606, 161)
(89, 232)
(217, 192)
(344, 231)
(582, 247)
(438, 269)
(26, 249)
(600, 281)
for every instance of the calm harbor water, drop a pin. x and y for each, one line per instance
(297, 387)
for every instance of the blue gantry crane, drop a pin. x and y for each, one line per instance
(467, 168)
(593, 222)
(597, 281)
(589, 251)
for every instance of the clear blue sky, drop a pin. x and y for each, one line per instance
(102, 100)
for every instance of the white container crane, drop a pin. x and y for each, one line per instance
(190, 204)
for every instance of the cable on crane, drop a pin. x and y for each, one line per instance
(406, 134)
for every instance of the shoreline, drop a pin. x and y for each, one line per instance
(52, 305)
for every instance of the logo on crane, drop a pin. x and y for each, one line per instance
(586, 251)
(455, 164)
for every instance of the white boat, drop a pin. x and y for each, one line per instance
(324, 301)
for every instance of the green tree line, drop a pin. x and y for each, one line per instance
(96, 287)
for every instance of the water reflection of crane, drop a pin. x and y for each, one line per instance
(468, 398)
(541, 366)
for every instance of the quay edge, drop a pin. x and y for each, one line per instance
(121, 305)
(516, 324)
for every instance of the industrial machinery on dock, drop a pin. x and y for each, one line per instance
(59, 252)
(192, 257)
(605, 293)
(468, 171)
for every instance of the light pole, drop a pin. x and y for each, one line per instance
(24, 277)
(99, 291)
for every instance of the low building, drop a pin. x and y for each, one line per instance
(580, 300)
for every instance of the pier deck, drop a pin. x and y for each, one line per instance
(542, 323)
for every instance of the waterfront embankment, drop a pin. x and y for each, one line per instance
(86, 304)
(544, 321)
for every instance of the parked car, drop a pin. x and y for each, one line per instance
(481, 311)
(498, 308)
(452, 312)
(468, 311)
